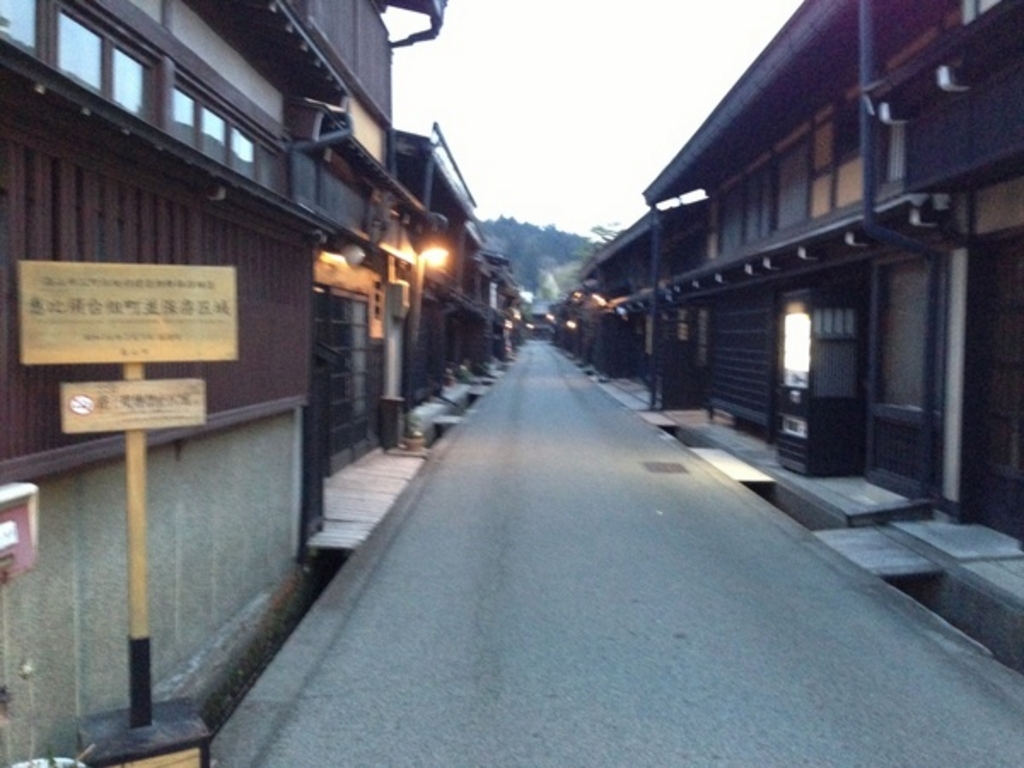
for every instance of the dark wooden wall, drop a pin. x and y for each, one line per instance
(60, 205)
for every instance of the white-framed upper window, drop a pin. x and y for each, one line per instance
(80, 52)
(101, 64)
(218, 137)
(243, 153)
(18, 21)
(183, 116)
(974, 8)
(214, 134)
(129, 82)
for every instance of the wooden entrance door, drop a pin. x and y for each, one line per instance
(341, 333)
(996, 489)
(897, 447)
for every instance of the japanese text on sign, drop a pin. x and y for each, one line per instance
(114, 313)
(114, 406)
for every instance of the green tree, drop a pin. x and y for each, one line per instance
(535, 251)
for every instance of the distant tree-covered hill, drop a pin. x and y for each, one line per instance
(545, 260)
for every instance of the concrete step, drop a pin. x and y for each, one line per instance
(660, 420)
(734, 468)
(873, 551)
(443, 423)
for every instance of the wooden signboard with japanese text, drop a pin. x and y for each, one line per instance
(132, 314)
(117, 406)
(74, 312)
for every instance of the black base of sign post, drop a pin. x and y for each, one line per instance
(140, 683)
(176, 729)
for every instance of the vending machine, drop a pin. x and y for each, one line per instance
(821, 399)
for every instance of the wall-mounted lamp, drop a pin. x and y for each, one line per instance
(349, 254)
(917, 219)
(803, 255)
(353, 254)
(766, 262)
(885, 115)
(945, 78)
(850, 238)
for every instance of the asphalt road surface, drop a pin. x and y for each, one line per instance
(570, 587)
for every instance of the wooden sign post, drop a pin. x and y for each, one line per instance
(129, 314)
(139, 657)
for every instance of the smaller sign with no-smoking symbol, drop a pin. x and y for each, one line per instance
(82, 405)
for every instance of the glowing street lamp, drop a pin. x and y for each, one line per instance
(434, 256)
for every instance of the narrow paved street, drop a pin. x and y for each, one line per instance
(569, 587)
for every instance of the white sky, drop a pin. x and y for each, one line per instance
(563, 111)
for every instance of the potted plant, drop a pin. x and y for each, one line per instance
(27, 672)
(414, 439)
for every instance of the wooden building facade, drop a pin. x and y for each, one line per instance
(854, 268)
(234, 133)
(460, 299)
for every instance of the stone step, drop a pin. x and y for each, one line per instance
(736, 469)
(873, 551)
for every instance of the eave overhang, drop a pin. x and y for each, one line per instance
(834, 243)
(365, 165)
(432, 9)
(47, 83)
(424, 151)
(618, 246)
(767, 96)
(276, 41)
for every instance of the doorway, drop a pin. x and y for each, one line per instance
(897, 425)
(342, 340)
(997, 463)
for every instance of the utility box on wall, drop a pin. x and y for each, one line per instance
(19, 528)
(398, 299)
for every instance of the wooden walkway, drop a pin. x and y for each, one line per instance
(358, 497)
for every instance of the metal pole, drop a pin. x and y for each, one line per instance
(655, 271)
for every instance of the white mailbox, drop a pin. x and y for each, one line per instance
(19, 528)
